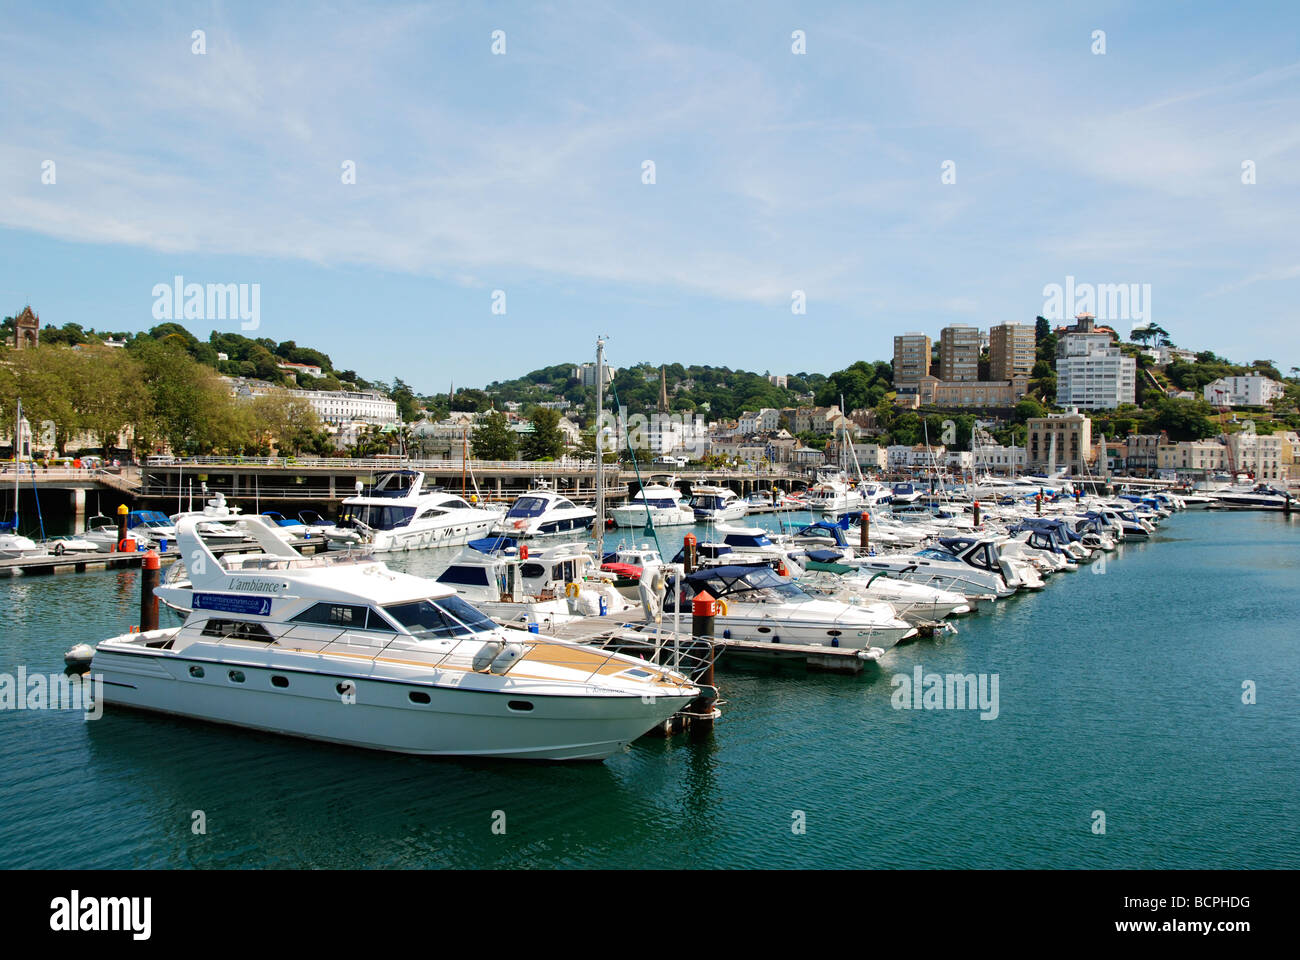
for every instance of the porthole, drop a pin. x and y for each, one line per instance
(279, 681)
(522, 706)
(832, 633)
(764, 629)
(196, 672)
(418, 697)
(236, 676)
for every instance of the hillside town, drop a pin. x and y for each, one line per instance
(1012, 399)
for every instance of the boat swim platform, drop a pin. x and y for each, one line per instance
(121, 559)
(618, 635)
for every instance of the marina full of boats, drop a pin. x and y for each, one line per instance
(529, 644)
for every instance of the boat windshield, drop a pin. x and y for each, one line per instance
(378, 517)
(526, 507)
(444, 617)
(755, 585)
(933, 553)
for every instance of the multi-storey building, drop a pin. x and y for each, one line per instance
(1011, 351)
(1255, 390)
(911, 359)
(585, 373)
(340, 406)
(1092, 374)
(959, 353)
(931, 391)
(1072, 433)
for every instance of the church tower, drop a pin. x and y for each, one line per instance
(27, 331)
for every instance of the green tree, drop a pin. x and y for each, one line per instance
(546, 442)
(494, 440)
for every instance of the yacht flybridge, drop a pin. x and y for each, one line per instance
(400, 513)
(342, 649)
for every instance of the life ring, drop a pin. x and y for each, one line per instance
(722, 607)
(571, 589)
(59, 549)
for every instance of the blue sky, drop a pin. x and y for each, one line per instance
(774, 172)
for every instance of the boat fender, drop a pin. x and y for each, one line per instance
(491, 650)
(503, 661)
(80, 655)
(572, 589)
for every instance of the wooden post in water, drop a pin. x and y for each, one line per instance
(689, 544)
(864, 533)
(704, 610)
(149, 576)
(977, 513)
(122, 512)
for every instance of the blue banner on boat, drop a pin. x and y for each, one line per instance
(228, 603)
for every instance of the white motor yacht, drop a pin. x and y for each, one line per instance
(400, 513)
(541, 513)
(758, 604)
(658, 502)
(716, 504)
(214, 521)
(832, 495)
(914, 602)
(347, 651)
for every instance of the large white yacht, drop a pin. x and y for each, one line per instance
(833, 495)
(758, 604)
(342, 649)
(541, 513)
(714, 503)
(400, 513)
(658, 502)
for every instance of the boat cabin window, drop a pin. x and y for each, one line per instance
(344, 615)
(566, 571)
(531, 571)
(431, 512)
(565, 505)
(465, 575)
(380, 517)
(444, 617)
(526, 507)
(236, 630)
(455, 503)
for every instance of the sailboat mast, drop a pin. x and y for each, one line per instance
(599, 524)
(18, 458)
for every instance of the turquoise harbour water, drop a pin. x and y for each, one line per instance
(1118, 691)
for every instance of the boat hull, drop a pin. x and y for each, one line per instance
(455, 722)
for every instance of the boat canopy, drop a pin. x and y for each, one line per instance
(824, 530)
(743, 582)
(494, 544)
